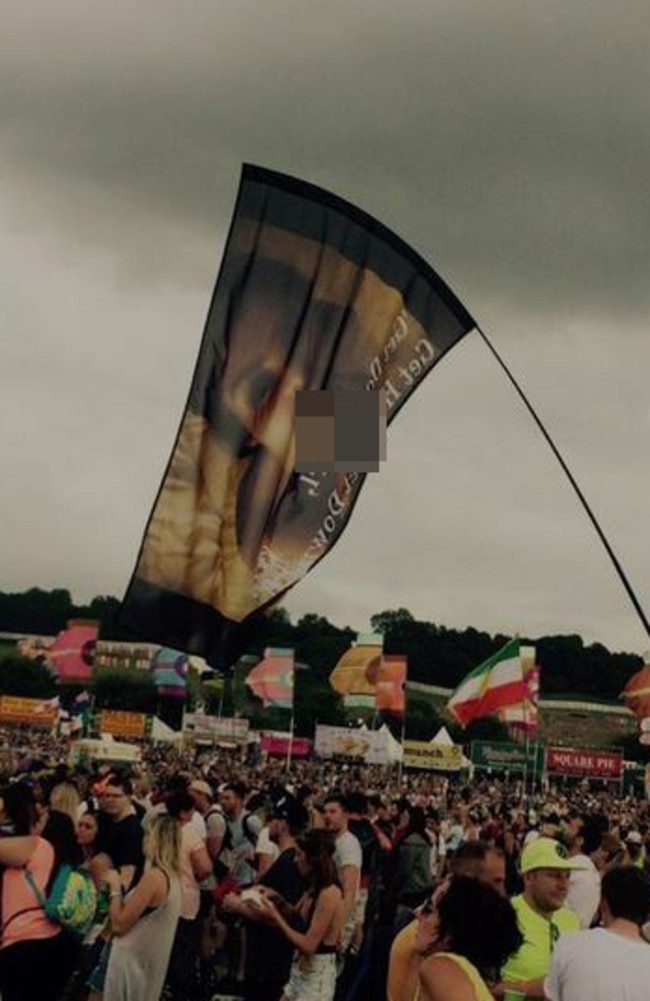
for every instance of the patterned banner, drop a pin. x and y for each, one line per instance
(313, 295)
(433, 757)
(120, 723)
(34, 712)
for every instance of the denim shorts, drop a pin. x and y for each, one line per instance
(312, 978)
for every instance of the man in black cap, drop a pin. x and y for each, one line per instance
(268, 952)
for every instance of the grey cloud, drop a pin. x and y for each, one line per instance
(508, 142)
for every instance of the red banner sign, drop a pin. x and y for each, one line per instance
(300, 746)
(588, 764)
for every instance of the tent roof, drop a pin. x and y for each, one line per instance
(442, 738)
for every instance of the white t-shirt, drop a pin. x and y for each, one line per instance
(438, 852)
(584, 890)
(455, 837)
(347, 851)
(191, 841)
(599, 965)
(265, 846)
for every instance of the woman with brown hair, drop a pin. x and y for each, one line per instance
(466, 934)
(36, 955)
(319, 913)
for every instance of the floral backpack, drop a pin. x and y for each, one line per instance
(72, 900)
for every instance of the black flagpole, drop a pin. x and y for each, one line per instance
(581, 497)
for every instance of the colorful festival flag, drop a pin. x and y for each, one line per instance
(391, 684)
(169, 668)
(355, 676)
(273, 678)
(522, 719)
(313, 294)
(491, 687)
(73, 651)
(637, 693)
(369, 679)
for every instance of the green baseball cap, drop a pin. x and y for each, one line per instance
(546, 853)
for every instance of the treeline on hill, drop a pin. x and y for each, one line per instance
(436, 655)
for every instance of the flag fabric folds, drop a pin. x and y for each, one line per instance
(313, 294)
(367, 678)
(637, 693)
(272, 680)
(391, 684)
(355, 675)
(169, 668)
(72, 652)
(523, 718)
(492, 687)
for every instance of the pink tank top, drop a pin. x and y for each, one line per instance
(17, 895)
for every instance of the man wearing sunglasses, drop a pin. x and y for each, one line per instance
(542, 916)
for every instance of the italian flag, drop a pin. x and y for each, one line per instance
(494, 685)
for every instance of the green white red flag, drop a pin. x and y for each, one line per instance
(523, 718)
(492, 687)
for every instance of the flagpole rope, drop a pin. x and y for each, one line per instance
(581, 497)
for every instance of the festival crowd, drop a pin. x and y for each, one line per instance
(203, 874)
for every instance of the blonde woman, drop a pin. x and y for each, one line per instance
(65, 798)
(144, 922)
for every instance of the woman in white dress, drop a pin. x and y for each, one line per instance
(144, 922)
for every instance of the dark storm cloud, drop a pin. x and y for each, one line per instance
(507, 140)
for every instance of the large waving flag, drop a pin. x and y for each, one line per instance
(491, 687)
(313, 294)
(169, 668)
(272, 679)
(72, 653)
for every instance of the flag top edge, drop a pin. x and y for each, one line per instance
(295, 185)
(485, 665)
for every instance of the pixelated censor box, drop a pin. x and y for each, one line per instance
(341, 431)
(316, 304)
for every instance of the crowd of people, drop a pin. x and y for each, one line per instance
(203, 874)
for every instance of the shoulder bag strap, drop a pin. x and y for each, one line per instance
(23, 910)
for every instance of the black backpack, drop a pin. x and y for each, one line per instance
(221, 870)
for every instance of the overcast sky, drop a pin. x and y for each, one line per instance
(507, 141)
